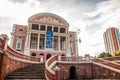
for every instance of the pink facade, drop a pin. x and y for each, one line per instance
(46, 35)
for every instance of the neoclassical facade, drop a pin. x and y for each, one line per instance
(46, 35)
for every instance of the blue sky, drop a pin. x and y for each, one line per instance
(92, 17)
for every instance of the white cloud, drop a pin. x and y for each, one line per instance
(104, 16)
(91, 17)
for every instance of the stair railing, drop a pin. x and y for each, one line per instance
(104, 63)
(11, 59)
(49, 73)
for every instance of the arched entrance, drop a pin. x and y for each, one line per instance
(48, 56)
(72, 73)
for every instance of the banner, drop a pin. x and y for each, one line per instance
(49, 40)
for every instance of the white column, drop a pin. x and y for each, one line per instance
(52, 28)
(29, 40)
(45, 42)
(30, 26)
(46, 27)
(66, 43)
(58, 29)
(59, 43)
(39, 26)
(11, 43)
(53, 38)
(38, 41)
(27, 44)
(26, 41)
(68, 46)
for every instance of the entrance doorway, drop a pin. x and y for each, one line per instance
(48, 56)
(72, 73)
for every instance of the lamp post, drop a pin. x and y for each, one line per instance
(79, 41)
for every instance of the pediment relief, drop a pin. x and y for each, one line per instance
(49, 19)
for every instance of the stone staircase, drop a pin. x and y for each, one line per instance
(32, 72)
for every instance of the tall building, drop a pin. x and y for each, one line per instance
(111, 40)
(45, 35)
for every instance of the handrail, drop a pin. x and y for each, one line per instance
(50, 74)
(112, 58)
(107, 63)
(12, 59)
(72, 59)
(14, 53)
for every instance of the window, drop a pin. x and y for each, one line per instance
(33, 54)
(34, 40)
(71, 49)
(55, 43)
(62, 30)
(35, 26)
(21, 30)
(55, 29)
(18, 45)
(42, 41)
(63, 43)
(42, 27)
(49, 27)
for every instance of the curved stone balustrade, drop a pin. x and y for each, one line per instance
(113, 66)
(54, 60)
(117, 58)
(11, 59)
(14, 53)
(50, 74)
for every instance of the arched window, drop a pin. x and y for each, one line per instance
(41, 54)
(33, 54)
(18, 45)
(48, 56)
(21, 30)
(62, 55)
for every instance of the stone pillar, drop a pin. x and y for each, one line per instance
(87, 57)
(41, 58)
(27, 44)
(38, 41)
(5, 42)
(29, 40)
(59, 43)
(57, 69)
(59, 57)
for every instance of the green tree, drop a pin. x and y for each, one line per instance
(117, 54)
(103, 54)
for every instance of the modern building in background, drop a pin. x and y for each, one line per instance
(46, 35)
(111, 40)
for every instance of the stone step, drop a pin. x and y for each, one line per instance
(27, 72)
(40, 74)
(32, 72)
(25, 79)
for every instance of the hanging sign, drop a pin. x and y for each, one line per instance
(49, 40)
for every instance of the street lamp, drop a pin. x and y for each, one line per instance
(79, 41)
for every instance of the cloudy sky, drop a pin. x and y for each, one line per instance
(92, 17)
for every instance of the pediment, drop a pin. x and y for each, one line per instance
(48, 18)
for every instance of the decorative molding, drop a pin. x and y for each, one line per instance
(49, 20)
